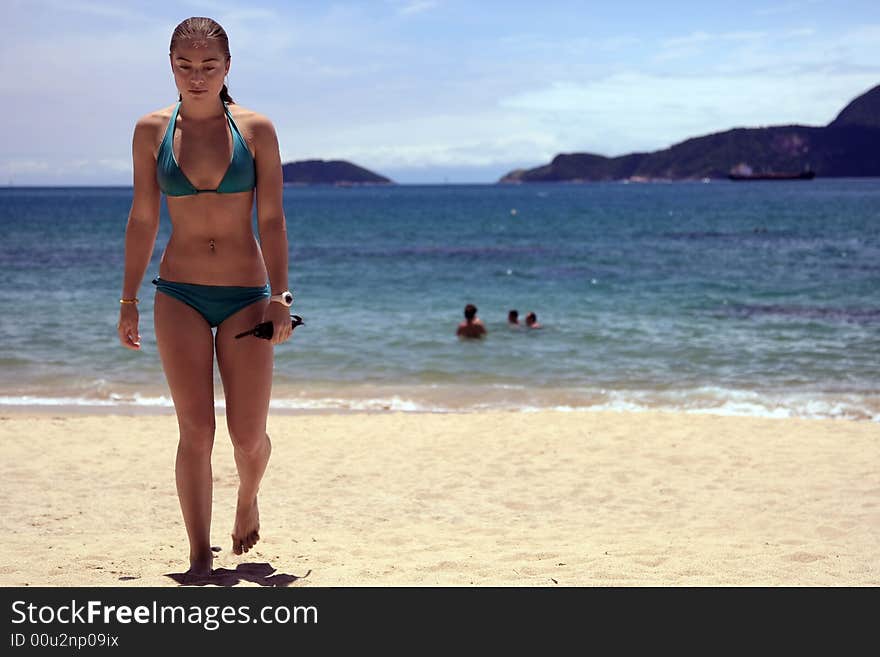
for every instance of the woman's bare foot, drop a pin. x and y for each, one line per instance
(246, 531)
(200, 565)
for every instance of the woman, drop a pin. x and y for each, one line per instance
(212, 158)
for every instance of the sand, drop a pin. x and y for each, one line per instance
(494, 498)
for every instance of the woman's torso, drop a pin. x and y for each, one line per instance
(212, 240)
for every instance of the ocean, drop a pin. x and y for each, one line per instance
(755, 298)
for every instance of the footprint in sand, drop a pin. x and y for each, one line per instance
(830, 532)
(804, 557)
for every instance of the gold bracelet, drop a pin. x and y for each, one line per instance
(134, 300)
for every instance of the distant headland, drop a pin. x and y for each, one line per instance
(330, 172)
(849, 146)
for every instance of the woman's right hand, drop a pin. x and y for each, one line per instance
(128, 326)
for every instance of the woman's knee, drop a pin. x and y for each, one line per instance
(197, 433)
(249, 440)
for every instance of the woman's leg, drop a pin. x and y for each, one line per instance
(186, 347)
(246, 371)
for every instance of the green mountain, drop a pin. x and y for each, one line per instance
(848, 146)
(330, 172)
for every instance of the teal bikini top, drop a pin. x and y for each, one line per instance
(240, 175)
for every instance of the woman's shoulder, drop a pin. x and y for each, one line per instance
(155, 120)
(250, 119)
(158, 116)
(257, 128)
(150, 128)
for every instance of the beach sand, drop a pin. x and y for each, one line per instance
(495, 498)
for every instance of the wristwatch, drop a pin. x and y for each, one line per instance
(285, 298)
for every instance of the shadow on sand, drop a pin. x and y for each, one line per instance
(258, 573)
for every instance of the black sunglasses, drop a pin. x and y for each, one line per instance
(267, 329)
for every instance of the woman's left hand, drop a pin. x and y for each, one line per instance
(279, 315)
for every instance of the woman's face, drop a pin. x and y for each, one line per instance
(199, 67)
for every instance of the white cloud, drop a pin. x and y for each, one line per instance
(696, 43)
(114, 164)
(798, 33)
(236, 11)
(529, 44)
(16, 167)
(638, 111)
(417, 6)
(616, 43)
(97, 9)
(727, 46)
(478, 139)
(706, 37)
(71, 170)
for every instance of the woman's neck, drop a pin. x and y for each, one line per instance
(201, 110)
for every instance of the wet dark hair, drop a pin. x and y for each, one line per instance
(199, 27)
(513, 316)
(531, 317)
(469, 311)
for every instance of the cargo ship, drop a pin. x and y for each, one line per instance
(744, 172)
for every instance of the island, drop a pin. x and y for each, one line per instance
(849, 146)
(330, 172)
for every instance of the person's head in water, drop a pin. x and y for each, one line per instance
(199, 54)
(532, 320)
(513, 317)
(471, 327)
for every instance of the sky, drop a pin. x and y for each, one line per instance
(430, 91)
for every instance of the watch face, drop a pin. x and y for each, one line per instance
(288, 298)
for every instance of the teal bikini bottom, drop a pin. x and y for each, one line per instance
(213, 302)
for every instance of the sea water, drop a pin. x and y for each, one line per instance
(759, 298)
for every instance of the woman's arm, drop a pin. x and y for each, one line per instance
(141, 229)
(143, 219)
(271, 223)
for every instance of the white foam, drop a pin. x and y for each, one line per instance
(27, 400)
(340, 403)
(704, 400)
